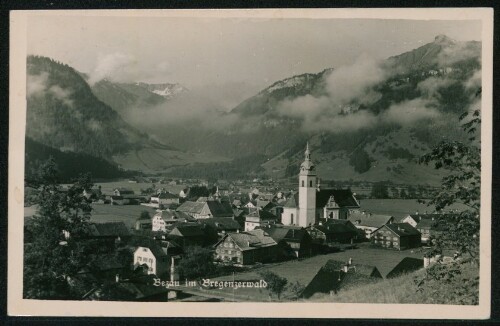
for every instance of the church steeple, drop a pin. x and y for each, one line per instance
(307, 167)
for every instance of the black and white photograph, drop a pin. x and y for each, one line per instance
(251, 163)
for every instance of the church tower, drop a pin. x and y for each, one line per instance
(307, 191)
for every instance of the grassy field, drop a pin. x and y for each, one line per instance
(462, 289)
(113, 213)
(108, 213)
(399, 207)
(303, 271)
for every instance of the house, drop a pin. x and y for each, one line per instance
(429, 228)
(236, 203)
(188, 234)
(165, 198)
(163, 219)
(336, 275)
(222, 225)
(220, 208)
(115, 231)
(143, 224)
(153, 258)
(117, 200)
(259, 218)
(398, 236)
(211, 208)
(122, 192)
(368, 222)
(333, 231)
(414, 219)
(195, 209)
(294, 239)
(311, 203)
(246, 248)
(93, 193)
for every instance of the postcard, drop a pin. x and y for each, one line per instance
(314, 163)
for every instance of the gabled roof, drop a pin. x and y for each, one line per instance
(293, 201)
(221, 223)
(342, 197)
(191, 207)
(250, 240)
(403, 229)
(167, 195)
(369, 220)
(335, 228)
(220, 209)
(189, 230)
(109, 229)
(287, 233)
(259, 214)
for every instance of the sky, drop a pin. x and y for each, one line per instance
(233, 57)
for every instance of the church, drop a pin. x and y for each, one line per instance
(311, 204)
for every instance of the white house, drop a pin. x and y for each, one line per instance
(155, 258)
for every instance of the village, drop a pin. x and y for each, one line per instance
(320, 239)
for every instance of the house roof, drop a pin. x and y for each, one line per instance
(167, 195)
(259, 214)
(189, 230)
(403, 229)
(124, 191)
(251, 239)
(221, 223)
(342, 197)
(370, 220)
(109, 229)
(287, 233)
(220, 209)
(335, 228)
(191, 207)
(293, 201)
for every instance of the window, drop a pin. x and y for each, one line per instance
(395, 239)
(291, 218)
(302, 183)
(139, 258)
(310, 183)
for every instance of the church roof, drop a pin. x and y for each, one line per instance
(342, 197)
(292, 202)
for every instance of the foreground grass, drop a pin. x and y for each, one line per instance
(460, 287)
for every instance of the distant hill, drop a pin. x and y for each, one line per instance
(433, 81)
(63, 113)
(69, 164)
(122, 96)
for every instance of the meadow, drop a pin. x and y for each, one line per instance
(303, 271)
(400, 207)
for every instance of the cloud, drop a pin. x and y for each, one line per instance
(36, 84)
(39, 85)
(126, 68)
(459, 51)
(355, 81)
(409, 112)
(347, 88)
(430, 87)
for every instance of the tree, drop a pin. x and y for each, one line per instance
(275, 283)
(145, 215)
(462, 185)
(51, 257)
(197, 262)
(379, 190)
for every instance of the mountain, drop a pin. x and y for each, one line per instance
(267, 99)
(123, 96)
(63, 113)
(165, 90)
(69, 164)
(414, 102)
